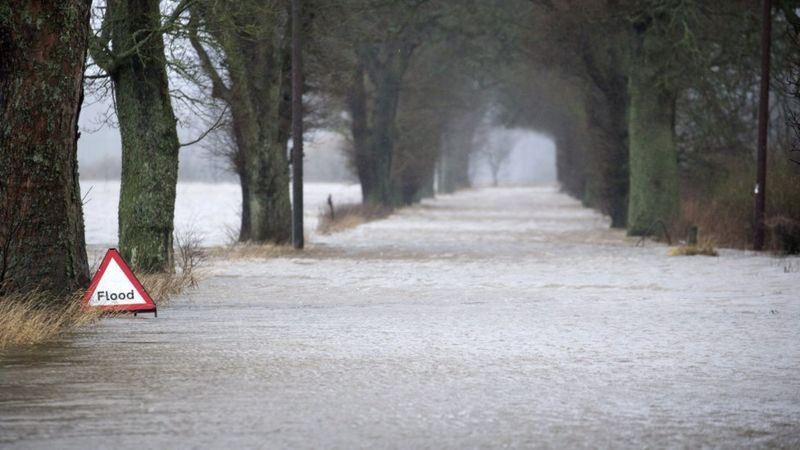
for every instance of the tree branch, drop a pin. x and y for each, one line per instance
(213, 127)
(218, 88)
(109, 61)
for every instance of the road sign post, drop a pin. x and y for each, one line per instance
(297, 127)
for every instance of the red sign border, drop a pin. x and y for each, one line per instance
(112, 253)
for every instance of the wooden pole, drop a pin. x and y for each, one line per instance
(297, 127)
(763, 124)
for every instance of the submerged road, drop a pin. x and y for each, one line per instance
(490, 318)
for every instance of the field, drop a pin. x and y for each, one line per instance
(211, 210)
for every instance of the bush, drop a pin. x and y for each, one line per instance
(722, 208)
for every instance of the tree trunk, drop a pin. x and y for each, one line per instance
(570, 166)
(43, 47)
(653, 154)
(457, 148)
(264, 176)
(606, 103)
(244, 228)
(494, 168)
(427, 189)
(381, 142)
(254, 41)
(149, 137)
(359, 129)
(374, 161)
(608, 130)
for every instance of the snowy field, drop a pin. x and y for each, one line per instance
(213, 211)
(487, 319)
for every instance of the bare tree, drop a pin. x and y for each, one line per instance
(495, 151)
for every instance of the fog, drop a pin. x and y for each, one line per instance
(99, 152)
(527, 157)
(531, 158)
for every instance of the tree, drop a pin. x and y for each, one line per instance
(381, 62)
(43, 47)
(457, 147)
(790, 11)
(582, 44)
(662, 47)
(653, 150)
(130, 49)
(495, 151)
(547, 101)
(439, 86)
(377, 41)
(410, 65)
(252, 41)
(605, 87)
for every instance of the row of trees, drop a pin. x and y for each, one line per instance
(670, 89)
(635, 93)
(239, 50)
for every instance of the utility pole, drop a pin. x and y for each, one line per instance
(297, 127)
(763, 124)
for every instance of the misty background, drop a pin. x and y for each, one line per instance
(531, 156)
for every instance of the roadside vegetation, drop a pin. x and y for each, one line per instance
(348, 216)
(37, 317)
(33, 318)
(722, 206)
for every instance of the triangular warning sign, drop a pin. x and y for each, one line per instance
(115, 288)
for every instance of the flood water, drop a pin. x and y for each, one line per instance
(491, 318)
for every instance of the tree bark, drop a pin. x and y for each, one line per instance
(608, 130)
(653, 153)
(43, 47)
(149, 136)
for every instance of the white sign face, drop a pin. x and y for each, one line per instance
(115, 289)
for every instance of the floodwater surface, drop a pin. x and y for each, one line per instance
(490, 318)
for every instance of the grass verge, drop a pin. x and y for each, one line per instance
(693, 250)
(32, 318)
(721, 206)
(251, 250)
(350, 216)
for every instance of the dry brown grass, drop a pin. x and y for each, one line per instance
(31, 318)
(251, 250)
(693, 250)
(722, 209)
(727, 223)
(350, 216)
(34, 318)
(784, 234)
(162, 286)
